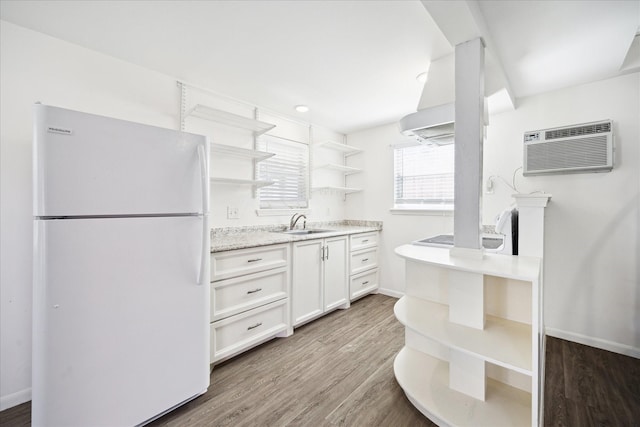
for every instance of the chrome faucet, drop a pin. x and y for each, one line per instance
(294, 220)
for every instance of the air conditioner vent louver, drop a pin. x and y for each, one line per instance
(578, 131)
(571, 149)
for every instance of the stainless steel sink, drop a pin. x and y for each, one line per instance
(304, 232)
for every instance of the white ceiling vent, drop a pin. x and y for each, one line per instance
(571, 149)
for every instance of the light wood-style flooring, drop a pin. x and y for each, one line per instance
(338, 371)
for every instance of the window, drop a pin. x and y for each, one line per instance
(423, 177)
(288, 169)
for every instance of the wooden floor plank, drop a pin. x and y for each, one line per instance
(378, 401)
(338, 371)
(555, 400)
(586, 386)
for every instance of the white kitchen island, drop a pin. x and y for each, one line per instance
(473, 351)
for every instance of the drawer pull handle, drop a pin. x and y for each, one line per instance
(254, 260)
(365, 259)
(365, 240)
(254, 326)
(365, 283)
(254, 291)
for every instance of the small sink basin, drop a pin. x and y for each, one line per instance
(304, 232)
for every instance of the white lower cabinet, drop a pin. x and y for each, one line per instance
(319, 277)
(250, 291)
(363, 283)
(363, 259)
(235, 334)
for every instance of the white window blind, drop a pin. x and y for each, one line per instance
(423, 177)
(288, 169)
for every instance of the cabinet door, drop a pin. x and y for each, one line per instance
(335, 273)
(307, 280)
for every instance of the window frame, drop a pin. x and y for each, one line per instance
(424, 206)
(273, 207)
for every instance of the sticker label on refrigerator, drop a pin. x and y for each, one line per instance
(57, 129)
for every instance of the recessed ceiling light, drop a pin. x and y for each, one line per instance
(422, 77)
(302, 108)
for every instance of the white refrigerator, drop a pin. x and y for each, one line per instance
(121, 270)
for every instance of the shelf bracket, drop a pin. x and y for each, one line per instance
(183, 104)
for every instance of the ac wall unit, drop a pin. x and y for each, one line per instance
(586, 147)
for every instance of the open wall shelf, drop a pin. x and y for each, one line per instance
(234, 181)
(348, 150)
(346, 170)
(343, 190)
(229, 119)
(239, 152)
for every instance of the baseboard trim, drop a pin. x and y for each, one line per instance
(390, 293)
(15, 399)
(615, 347)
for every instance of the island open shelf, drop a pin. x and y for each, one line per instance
(473, 347)
(425, 381)
(502, 342)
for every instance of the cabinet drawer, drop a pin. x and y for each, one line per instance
(236, 333)
(364, 260)
(363, 283)
(238, 294)
(246, 261)
(364, 240)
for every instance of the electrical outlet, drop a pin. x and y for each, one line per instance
(490, 185)
(233, 212)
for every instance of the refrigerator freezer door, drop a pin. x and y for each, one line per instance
(86, 165)
(120, 323)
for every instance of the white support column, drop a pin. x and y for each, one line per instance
(467, 374)
(466, 299)
(469, 134)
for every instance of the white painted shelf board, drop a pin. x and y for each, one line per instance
(347, 170)
(525, 268)
(502, 342)
(425, 381)
(239, 152)
(256, 183)
(229, 119)
(345, 190)
(346, 149)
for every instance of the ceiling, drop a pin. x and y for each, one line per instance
(354, 63)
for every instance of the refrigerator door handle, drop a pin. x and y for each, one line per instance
(204, 178)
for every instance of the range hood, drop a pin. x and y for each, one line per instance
(434, 125)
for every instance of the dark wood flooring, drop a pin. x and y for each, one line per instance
(338, 371)
(586, 386)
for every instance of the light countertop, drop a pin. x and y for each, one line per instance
(230, 238)
(510, 266)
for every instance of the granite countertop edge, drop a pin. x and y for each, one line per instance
(231, 238)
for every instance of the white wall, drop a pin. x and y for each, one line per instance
(321, 207)
(36, 67)
(592, 236)
(376, 200)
